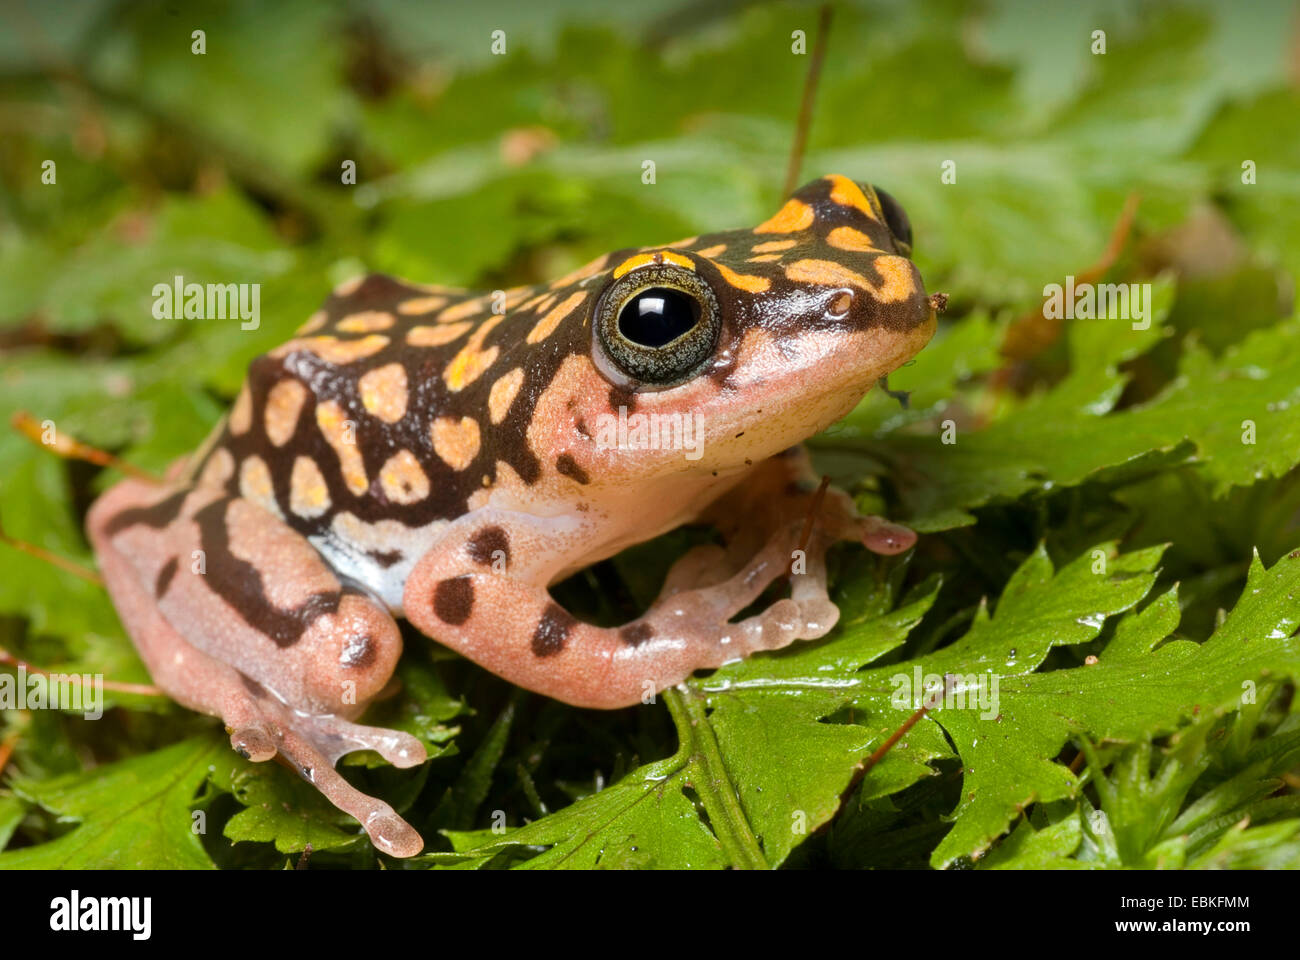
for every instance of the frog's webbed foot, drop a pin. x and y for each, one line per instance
(261, 727)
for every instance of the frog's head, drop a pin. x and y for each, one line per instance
(762, 337)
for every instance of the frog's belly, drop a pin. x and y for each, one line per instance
(378, 557)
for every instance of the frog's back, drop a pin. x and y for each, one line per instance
(396, 402)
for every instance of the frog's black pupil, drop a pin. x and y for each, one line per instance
(658, 316)
(895, 218)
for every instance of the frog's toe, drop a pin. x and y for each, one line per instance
(881, 536)
(388, 831)
(702, 566)
(398, 748)
(253, 742)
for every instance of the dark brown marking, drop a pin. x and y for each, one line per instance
(165, 577)
(239, 583)
(160, 515)
(635, 634)
(453, 600)
(552, 631)
(566, 465)
(487, 542)
(385, 558)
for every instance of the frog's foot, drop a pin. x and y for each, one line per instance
(260, 727)
(388, 831)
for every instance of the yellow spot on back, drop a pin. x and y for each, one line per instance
(349, 286)
(334, 350)
(218, 469)
(456, 442)
(773, 246)
(334, 426)
(503, 394)
(308, 494)
(793, 217)
(846, 238)
(516, 295)
(546, 326)
(419, 305)
(764, 258)
(255, 484)
(314, 323)
(848, 194)
(283, 404)
(384, 392)
(367, 321)
(241, 414)
(743, 281)
(402, 479)
(426, 336)
(660, 256)
(712, 251)
(462, 310)
(468, 365)
(682, 244)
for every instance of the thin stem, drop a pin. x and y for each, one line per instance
(52, 558)
(809, 95)
(716, 792)
(141, 689)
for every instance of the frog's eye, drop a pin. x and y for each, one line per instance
(658, 324)
(896, 220)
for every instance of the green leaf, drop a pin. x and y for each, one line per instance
(133, 815)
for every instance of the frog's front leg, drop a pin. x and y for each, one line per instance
(483, 591)
(237, 616)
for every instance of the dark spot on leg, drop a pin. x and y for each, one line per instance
(357, 653)
(486, 542)
(566, 465)
(635, 634)
(453, 600)
(552, 631)
(165, 578)
(581, 427)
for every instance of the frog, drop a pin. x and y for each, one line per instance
(445, 456)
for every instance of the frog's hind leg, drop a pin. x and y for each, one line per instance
(175, 598)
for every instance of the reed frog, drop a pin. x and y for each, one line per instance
(444, 456)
